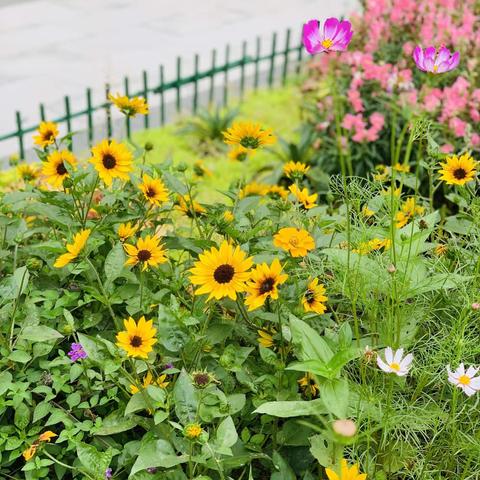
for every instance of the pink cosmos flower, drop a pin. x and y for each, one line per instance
(335, 37)
(429, 60)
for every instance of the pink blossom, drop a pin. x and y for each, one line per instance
(447, 148)
(356, 100)
(335, 37)
(475, 140)
(429, 60)
(433, 99)
(458, 126)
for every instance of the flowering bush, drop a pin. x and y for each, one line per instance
(288, 331)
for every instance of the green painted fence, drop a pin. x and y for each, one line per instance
(149, 90)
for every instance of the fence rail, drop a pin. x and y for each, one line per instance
(258, 59)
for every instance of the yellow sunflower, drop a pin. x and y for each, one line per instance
(402, 167)
(189, 207)
(249, 135)
(277, 191)
(129, 106)
(112, 160)
(137, 339)
(297, 242)
(221, 272)
(148, 251)
(407, 212)
(47, 133)
(372, 245)
(263, 284)
(193, 431)
(228, 216)
(345, 472)
(308, 385)
(154, 190)
(28, 173)
(201, 170)
(265, 338)
(304, 197)
(148, 380)
(367, 212)
(295, 169)
(238, 153)
(458, 170)
(314, 298)
(54, 168)
(253, 188)
(73, 249)
(125, 231)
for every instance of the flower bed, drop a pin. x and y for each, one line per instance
(274, 309)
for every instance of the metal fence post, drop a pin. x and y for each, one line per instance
(211, 92)
(257, 64)
(89, 117)
(195, 83)
(146, 120)
(108, 112)
(179, 78)
(68, 119)
(128, 125)
(272, 60)
(162, 96)
(21, 148)
(225, 77)
(242, 70)
(285, 57)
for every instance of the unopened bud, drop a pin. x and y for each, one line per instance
(345, 428)
(475, 306)
(391, 269)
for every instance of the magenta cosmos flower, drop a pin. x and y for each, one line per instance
(335, 37)
(429, 60)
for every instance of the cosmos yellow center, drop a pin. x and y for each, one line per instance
(224, 273)
(136, 341)
(109, 161)
(459, 173)
(464, 380)
(327, 43)
(266, 285)
(144, 255)
(435, 68)
(61, 170)
(395, 366)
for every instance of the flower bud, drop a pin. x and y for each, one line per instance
(345, 428)
(475, 306)
(149, 146)
(391, 269)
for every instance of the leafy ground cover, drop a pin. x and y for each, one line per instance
(212, 301)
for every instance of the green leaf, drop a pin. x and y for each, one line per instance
(297, 408)
(322, 449)
(234, 356)
(116, 423)
(41, 410)
(312, 345)
(174, 184)
(19, 356)
(5, 381)
(284, 471)
(136, 403)
(94, 461)
(14, 285)
(156, 453)
(226, 434)
(39, 333)
(114, 263)
(184, 398)
(335, 395)
(22, 416)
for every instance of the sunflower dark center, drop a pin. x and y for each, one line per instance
(201, 379)
(109, 161)
(250, 142)
(61, 170)
(241, 156)
(136, 341)
(224, 273)
(48, 136)
(151, 192)
(266, 286)
(459, 173)
(144, 255)
(309, 296)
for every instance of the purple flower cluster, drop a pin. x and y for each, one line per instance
(76, 352)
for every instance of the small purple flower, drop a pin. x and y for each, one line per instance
(335, 37)
(108, 471)
(152, 470)
(429, 60)
(167, 366)
(76, 352)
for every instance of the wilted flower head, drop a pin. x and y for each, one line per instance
(394, 362)
(334, 37)
(76, 352)
(429, 60)
(202, 379)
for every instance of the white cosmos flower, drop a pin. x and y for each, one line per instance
(394, 362)
(465, 380)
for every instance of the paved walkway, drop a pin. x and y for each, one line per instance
(50, 48)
